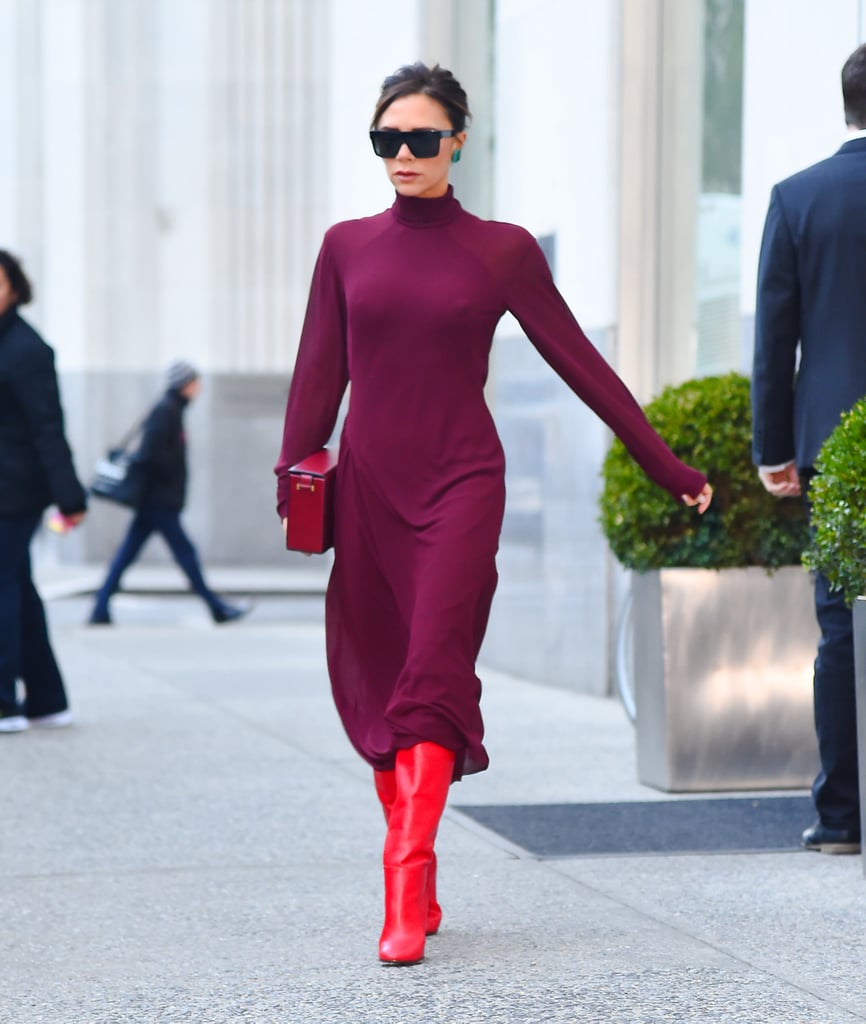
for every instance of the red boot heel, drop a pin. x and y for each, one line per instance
(403, 935)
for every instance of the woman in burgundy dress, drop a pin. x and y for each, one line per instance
(404, 305)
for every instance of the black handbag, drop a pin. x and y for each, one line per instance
(120, 477)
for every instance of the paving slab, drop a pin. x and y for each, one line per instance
(203, 846)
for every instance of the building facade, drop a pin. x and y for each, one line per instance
(169, 167)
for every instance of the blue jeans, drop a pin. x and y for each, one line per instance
(25, 649)
(165, 521)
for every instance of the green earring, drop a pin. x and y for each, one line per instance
(455, 157)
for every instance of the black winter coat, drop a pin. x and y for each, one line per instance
(36, 468)
(163, 451)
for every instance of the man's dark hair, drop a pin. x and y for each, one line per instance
(17, 278)
(854, 88)
(436, 82)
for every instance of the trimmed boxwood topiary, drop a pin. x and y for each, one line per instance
(838, 498)
(707, 422)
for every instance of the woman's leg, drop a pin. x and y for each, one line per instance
(184, 553)
(137, 533)
(422, 774)
(15, 533)
(386, 790)
(44, 690)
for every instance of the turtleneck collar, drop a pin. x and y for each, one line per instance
(426, 213)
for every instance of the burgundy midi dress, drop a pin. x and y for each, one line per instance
(404, 305)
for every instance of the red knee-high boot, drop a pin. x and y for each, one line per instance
(386, 790)
(422, 774)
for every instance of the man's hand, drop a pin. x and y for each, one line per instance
(781, 483)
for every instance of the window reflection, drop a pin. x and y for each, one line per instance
(718, 327)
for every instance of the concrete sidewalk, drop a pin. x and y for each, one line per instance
(203, 846)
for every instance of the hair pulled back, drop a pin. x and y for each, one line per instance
(437, 82)
(17, 278)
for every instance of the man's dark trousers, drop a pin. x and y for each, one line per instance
(836, 786)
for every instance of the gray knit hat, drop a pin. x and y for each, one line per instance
(180, 373)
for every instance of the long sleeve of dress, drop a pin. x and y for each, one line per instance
(320, 376)
(549, 324)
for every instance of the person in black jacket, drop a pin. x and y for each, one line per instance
(809, 368)
(163, 453)
(36, 470)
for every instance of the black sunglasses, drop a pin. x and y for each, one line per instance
(422, 144)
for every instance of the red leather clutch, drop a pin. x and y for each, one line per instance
(313, 482)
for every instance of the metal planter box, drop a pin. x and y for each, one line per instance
(723, 678)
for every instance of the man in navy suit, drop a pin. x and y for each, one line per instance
(811, 305)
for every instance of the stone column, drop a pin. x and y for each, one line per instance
(660, 167)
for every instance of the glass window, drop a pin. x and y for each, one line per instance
(717, 316)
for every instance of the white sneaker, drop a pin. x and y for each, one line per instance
(12, 723)
(59, 720)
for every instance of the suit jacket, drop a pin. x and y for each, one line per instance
(811, 304)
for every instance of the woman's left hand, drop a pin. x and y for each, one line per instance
(702, 500)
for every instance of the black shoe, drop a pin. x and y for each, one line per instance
(831, 840)
(99, 619)
(223, 613)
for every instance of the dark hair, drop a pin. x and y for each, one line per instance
(854, 88)
(17, 278)
(436, 82)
